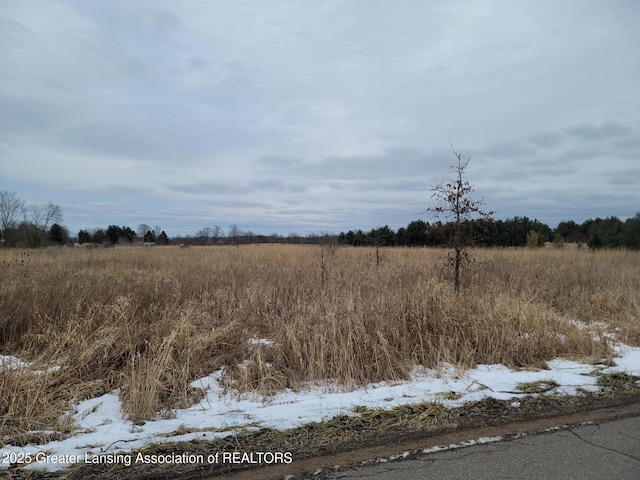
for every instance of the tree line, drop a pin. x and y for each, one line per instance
(610, 232)
(123, 235)
(34, 226)
(23, 225)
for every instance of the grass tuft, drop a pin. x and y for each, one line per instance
(618, 382)
(540, 386)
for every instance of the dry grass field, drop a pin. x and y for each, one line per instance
(148, 321)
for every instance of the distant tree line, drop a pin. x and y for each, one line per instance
(236, 236)
(117, 235)
(123, 235)
(38, 225)
(30, 226)
(610, 232)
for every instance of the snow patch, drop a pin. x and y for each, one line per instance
(103, 428)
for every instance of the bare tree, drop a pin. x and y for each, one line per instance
(455, 205)
(38, 219)
(142, 230)
(216, 233)
(53, 214)
(328, 247)
(204, 235)
(234, 235)
(10, 205)
(42, 217)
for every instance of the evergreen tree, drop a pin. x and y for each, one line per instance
(631, 232)
(84, 237)
(162, 239)
(58, 234)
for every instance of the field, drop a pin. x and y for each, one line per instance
(146, 322)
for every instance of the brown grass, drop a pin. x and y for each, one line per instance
(148, 321)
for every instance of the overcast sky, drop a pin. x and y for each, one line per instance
(309, 116)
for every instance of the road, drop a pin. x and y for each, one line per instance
(567, 438)
(599, 442)
(609, 450)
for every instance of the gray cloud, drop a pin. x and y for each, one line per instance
(547, 139)
(625, 177)
(591, 132)
(291, 117)
(508, 150)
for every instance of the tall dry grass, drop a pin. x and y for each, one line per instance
(148, 321)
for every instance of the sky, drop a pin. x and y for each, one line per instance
(299, 116)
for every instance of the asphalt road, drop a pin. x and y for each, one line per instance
(609, 451)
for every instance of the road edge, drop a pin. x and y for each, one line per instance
(617, 408)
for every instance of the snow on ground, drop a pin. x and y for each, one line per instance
(104, 431)
(10, 362)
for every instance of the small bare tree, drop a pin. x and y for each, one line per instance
(204, 235)
(10, 206)
(328, 247)
(142, 230)
(216, 233)
(38, 219)
(234, 235)
(452, 201)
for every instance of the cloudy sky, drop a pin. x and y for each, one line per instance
(307, 116)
